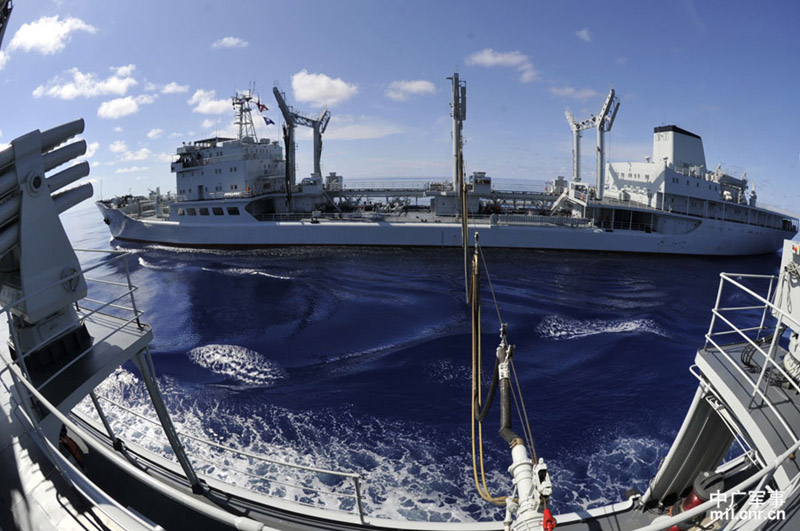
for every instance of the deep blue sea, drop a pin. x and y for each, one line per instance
(359, 360)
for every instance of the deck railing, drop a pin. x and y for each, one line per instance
(764, 340)
(349, 500)
(277, 473)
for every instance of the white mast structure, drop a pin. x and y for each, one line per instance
(294, 118)
(241, 103)
(602, 122)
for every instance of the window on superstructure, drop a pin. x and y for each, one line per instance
(217, 211)
(181, 212)
(233, 211)
(203, 211)
(191, 211)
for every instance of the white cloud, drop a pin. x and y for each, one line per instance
(124, 71)
(204, 102)
(488, 58)
(230, 42)
(87, 85)
(175, 134)
(154, 133)
(91, 149)
(319, 89)
(48, 35)
(174, 88)
(123, 106)
(142, 154)
(347, 127)
(164, 157)
(132, 169)
(117, 108)
(118, 146)
(3, 59)
(572, 92)
(118, 129)
(401, 90)
(584, 35)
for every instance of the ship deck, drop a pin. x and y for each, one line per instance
(770, 426)
(33, 495)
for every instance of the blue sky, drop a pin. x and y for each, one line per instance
(147, 76)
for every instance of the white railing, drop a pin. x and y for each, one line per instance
(349, 501)
(21, 377)
(760, 479)
(130, 316)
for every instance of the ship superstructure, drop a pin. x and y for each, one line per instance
(242, 192)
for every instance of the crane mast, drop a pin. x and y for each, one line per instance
(288, 139)
(602, 122)
(292, 119)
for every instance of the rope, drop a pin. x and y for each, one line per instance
(526, 425)
(491, 287)
(480, 483)
(520, 407)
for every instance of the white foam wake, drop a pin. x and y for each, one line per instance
(237, 362)
(158, 267)
(244, 271)
(557, 328)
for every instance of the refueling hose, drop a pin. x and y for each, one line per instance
(506, 432)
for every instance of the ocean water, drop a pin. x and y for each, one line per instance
(358, 360)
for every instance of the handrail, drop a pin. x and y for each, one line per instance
(234, 450)
(213, 512)
(757, 389)
(85, 352)
(60, 281)
(61, 463)
(353, 477)
(703, 507)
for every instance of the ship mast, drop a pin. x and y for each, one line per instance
(241, 103)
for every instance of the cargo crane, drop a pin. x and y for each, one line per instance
(292, 119)
(602, 122)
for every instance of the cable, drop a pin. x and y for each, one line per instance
(521, 411)
(480, 483)
(491, 287)
(526, 425)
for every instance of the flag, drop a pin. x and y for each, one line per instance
(261, 107)
(268, 121)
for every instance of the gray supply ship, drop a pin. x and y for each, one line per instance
(243, 192)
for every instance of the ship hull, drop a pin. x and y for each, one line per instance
(710, 237)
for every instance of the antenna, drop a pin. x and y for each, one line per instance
(241, 102)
